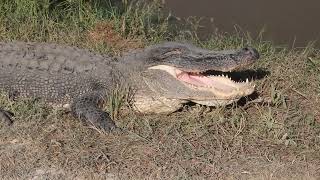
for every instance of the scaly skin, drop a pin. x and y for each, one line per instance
(64, 75)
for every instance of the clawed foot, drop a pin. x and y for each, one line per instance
(87, 109)
(101, 120)
(6, 116)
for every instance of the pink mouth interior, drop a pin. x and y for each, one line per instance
(218, 83)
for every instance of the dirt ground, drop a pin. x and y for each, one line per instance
(276, 138)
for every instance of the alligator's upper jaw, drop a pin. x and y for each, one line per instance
(224, 90)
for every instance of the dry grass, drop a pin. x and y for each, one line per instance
(104, 32)
(275, 139)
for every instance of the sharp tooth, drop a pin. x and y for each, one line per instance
(227, 76)
(247, 80)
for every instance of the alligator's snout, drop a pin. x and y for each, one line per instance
(251, 52)
(194, 59)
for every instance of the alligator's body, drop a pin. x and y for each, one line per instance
(162, 77)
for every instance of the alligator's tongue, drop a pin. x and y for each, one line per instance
(219, 83)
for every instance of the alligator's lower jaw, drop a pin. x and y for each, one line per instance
(224, 90)
(216, 102)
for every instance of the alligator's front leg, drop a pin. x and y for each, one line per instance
(87, 108)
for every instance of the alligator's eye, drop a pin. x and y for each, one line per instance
(251, 51)
(173, 52)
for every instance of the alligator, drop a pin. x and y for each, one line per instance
(162, 77)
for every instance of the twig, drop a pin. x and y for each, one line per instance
(300, 93)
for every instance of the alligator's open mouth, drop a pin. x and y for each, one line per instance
(221, 86)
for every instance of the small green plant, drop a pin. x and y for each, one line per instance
(277, 97)
(117, 99)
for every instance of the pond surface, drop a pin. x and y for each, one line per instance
(286, 22)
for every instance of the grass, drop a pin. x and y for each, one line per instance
(77, 22)
(276, 138)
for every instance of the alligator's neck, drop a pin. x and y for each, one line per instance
(125, 70)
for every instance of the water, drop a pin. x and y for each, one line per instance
(286, 22)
